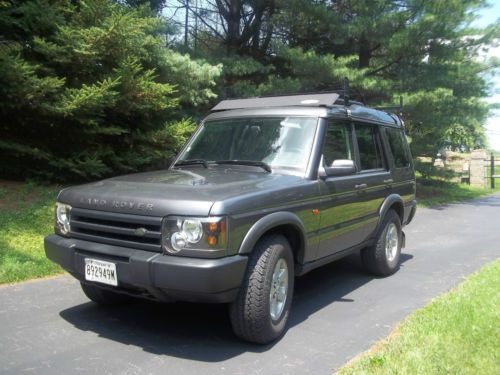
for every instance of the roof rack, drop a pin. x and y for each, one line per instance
(320, 99)
(310, 100)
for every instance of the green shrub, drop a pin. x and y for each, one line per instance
(432, 174)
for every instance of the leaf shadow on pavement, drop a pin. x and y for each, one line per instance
(202, 332)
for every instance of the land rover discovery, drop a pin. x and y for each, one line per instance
(265, 190)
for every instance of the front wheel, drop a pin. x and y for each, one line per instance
(260, 312)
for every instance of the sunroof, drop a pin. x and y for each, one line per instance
(309, 100)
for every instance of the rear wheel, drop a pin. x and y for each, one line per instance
(103, 296)
(382, 258)
(261, 310)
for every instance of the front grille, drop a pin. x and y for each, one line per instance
(116, 229)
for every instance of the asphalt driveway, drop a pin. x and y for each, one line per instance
(49, 327)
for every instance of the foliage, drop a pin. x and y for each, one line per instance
(155, 5)
(89, 90)
(456, 333)
(428, 171)
(425, 51)
(26, 217)
(87, 87)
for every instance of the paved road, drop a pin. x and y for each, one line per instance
(49, 327)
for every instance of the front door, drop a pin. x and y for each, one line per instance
(350, 203)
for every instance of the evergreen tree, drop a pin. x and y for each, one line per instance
(88, 89)
(423, 50)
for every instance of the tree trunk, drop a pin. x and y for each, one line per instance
(186, 25)
(233, 25)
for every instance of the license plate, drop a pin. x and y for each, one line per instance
(100, 271)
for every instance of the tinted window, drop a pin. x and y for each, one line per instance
(370, 154)
(338, 143)
(398, 148)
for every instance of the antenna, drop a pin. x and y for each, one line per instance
(346, 92)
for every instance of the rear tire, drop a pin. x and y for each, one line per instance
(103, 296)
(382, 258)
(260, 312)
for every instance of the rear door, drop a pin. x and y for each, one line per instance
(350, 203)
(375, 173)
(401, 166)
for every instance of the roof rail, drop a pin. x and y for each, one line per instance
(341, 101)
(393, 108)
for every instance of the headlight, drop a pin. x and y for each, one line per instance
(183, 233)
(62, 218)
(193, 230)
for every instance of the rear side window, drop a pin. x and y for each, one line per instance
(370, 155)
(398, 147)
(338, 143)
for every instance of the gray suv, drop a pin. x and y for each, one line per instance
(265, 190)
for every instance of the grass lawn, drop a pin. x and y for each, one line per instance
(457, 333)
(436, 192)
(26, 216)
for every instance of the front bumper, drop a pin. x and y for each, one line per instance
(154, 275)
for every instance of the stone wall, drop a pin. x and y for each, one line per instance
(459, 164)
(477, 168)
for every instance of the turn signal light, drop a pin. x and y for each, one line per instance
(212, 227)
(212, 241)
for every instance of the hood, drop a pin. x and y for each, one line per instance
(178, 192)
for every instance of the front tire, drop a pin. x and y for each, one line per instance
(103, 296)
(382, 258)
(260, 312)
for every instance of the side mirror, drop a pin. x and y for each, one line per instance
(341, 167)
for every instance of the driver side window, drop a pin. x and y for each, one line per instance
(338, 143)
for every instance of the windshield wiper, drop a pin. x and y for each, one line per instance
(255, 163)
(192, 162)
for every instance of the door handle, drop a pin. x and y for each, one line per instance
(361, 186)
(388, 181)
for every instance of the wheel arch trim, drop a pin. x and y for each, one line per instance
(270, 222)
(389, 202)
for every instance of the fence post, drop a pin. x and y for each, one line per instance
(477, 168)
(492, 170)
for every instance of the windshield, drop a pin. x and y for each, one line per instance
(280, 142)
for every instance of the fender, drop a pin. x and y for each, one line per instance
(388, 202)
(269, 222)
